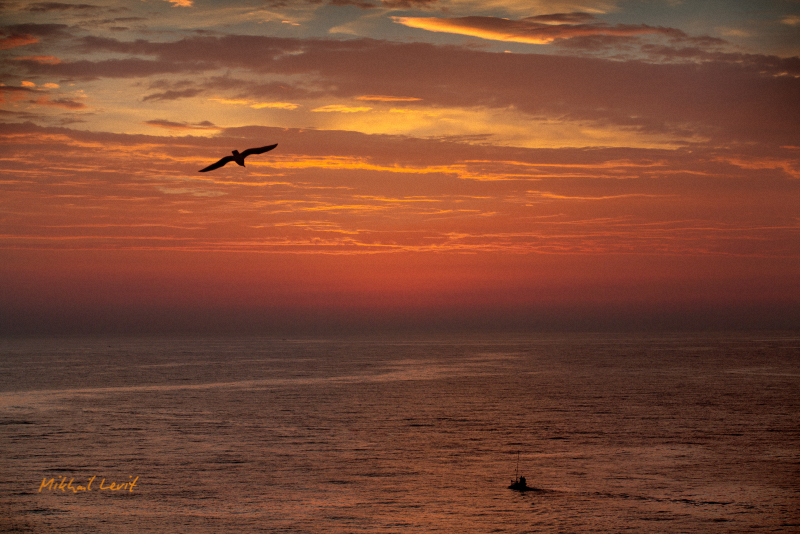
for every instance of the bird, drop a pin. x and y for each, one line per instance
(238, 157)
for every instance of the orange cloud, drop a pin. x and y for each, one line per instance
(275, 105)
(343, 222)
(679, 98)
(45, 60)
(256, 104)
(437, 197)
(788, 165)
(385, 98)
(14, 41)
(533, 30)
(791, 20)
(193, 191)
(340, 108)
(553, 196)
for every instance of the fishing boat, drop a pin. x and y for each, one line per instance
(519, 483)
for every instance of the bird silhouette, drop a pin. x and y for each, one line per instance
(238, 157)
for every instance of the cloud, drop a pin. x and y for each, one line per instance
(248, 92)
(14, 94)
(685, 94)
(173, 95)
(356, 3)
(764, 65)
(17, 35)
(16, 40)
(528, 7)
(535, 30)
(408, 4)
(388, 4)
(39, 30)
(564, 18)
(45, 7)
(112, 68)
(393, 193)
(170, 125)
(340, 108)
(553, 196)
(255, 104)
(791, 20)
(193, 191)
(46, 60)
(274, 105)
(386, 98)
(65, 103)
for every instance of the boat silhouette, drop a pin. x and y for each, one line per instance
(519, 483)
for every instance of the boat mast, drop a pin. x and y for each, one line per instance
(516, 478)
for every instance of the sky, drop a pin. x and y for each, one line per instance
(442, 166)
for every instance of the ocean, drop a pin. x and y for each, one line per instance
(696, 433)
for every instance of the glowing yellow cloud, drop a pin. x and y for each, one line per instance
(275, 105)
(231, 101)
(502, 126)
(472, 170)
(349, 163)
(535, 30)
(339, 108)
(256, 105)
(433, 24)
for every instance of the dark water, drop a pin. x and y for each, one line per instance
(621, 433)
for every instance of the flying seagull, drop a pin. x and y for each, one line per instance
(238, 158)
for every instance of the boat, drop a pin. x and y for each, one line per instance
(519, 483)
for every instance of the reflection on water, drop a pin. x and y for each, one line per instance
(650, 434)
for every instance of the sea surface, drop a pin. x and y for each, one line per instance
(619, 433)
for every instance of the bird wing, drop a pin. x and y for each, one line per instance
(261, 150)
(217, 165)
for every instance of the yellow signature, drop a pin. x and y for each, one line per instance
(65, 486)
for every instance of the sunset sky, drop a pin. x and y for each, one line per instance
(441, 165)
